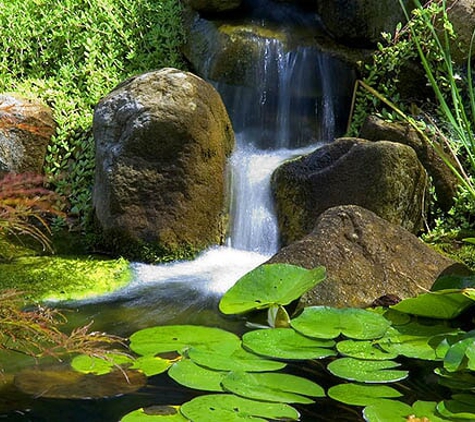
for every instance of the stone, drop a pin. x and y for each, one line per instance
(162, 141)
(461, 14)
(213, 6)
(359, 23)
(366, 258)
(26, 128)
(384, 177)
(444, 181)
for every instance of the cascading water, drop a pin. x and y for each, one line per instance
(289, 97)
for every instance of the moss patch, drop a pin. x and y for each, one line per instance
(64, 278)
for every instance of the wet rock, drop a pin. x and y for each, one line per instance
(366, 258)
(360, 22)
(384, 177)
(26, 128)
(444, 181)
(213, 6)
(162, 139)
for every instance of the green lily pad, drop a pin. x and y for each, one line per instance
(191, 375)
(442, 304)
(99, 366)
(454, 281)
(362, 349)
(273, 387)
(155, 414)
(171, 338)
(271, 284)
(286, 343)
(362, 395)
(367, 371)
(231, 408)
(456, 380)
(326, 322)
(461, 407)
(396, 411)
(151, 365)
(239, 360)
(415, 340)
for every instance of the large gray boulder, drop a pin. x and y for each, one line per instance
(443, 179)
(162, 139)
(366, 258)
(384, 177)
(26, 128)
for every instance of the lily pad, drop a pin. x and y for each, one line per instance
(461, 407)
(99, 366)
(286, 343)
(191, 375)
(415, 340)
(231, 408)
(456, 380)
(60, 382)
(151, 365)
(155, 414)
(442, 304)
(273, 387)
(327, 322)
(367, 371)
(171, 338)
(364, 349)
(271, 284)
(362, 395)
(396, 411)
(239, 360)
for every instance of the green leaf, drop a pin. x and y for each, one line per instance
(155, 414)
(326, 322)
(362, 395)
(456, 380)
(191, 375)
(177, 338)
(367, 371)
(364, 349)
(462, 406)
(151, 365)
(453, 281)
(427, 409)
(273, 387)
(239, 360)
(415, 340)
(286, 343)
(271, 284)
(442, 304)
(99, 366)
(387, 411)
(231, 408)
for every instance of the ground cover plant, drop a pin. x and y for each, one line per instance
(71, 53)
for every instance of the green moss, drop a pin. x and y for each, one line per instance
(64, 278)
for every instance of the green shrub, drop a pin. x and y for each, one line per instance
(70, 53)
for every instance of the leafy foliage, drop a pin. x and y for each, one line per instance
(72, 53)
(25, 205)
(36, 332)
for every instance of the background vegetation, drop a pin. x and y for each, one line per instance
(70, 53)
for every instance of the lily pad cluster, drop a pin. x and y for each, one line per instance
(249, 378)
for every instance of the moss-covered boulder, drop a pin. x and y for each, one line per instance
(384, 177)
(60, 278)
(162, 140)
(213, 6)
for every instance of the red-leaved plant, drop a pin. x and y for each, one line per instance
(25, 206)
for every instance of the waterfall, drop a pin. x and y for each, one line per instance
(284, 97)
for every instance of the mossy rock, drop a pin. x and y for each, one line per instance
(59, 278)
